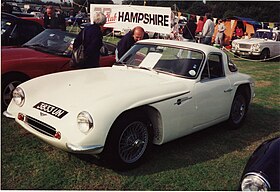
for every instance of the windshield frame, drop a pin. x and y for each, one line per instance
(197, 63)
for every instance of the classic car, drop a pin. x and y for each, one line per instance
(48, 52)
(77, 20)
(264, 44)
(262, 171)
(14, 30)
(160, 90)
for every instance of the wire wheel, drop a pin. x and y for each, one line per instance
(133, 142)
(238, 109)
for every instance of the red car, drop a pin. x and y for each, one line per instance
(48, 52)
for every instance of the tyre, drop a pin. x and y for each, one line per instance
(265, 54)
(238, 111)
(9, 83)
(127, 143)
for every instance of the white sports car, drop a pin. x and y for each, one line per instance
(159, 91)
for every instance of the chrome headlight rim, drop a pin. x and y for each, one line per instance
(85, 122)
(257, 176)
(234, 44)
(256, 47)
(19, 96)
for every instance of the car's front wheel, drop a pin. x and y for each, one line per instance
(9, 83)
(127, 142)
(238, 111)
(265, 54)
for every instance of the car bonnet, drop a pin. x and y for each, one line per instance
(76, 89)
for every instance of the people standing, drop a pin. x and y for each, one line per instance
(189, 30)
(127, 41)
(220, 34)
(239, 31)
(208, 30)
(92, 39)
(53, 20)
(188, 34)
(200, 25)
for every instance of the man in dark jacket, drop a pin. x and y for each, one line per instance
(127, 41)
(92, 39)
(53, 20)
(189, 30)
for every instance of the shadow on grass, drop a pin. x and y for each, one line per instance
(212, 142)
(205, 145)
(209, 144)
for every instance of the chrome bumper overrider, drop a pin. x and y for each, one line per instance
(7, 114)
(83, 149)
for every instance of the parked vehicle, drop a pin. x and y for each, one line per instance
(14, 30)
(14, 10)
(77, 20)
(264, 44)
(159, 91)
(262, 171)
(48, 52)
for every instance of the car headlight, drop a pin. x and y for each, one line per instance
(85, 122)
(256, 47)
(254, 182)
(18, 96)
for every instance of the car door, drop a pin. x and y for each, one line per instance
(275, 45)
(212, 93)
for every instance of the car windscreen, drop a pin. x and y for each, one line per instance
(53, 41)
(172, 60)
(264, 35)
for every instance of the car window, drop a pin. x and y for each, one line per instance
(16, 9)
(214, 67)
(166, 59)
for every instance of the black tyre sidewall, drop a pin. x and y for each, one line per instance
(231, 122)
(110, 154)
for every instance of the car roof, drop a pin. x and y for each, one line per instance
(268, 30)
(8, 15)
(192, 45)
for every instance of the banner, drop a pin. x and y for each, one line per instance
(126, 17)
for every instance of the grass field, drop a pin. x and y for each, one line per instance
(212, 159)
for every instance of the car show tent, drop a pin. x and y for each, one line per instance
(249, 26)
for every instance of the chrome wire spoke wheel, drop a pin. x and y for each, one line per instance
(133, 142)
(239, 109)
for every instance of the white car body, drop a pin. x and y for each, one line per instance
(266, 44)
(176, 105)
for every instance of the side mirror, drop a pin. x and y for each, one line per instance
(232, 67)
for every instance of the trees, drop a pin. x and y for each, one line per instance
(258, 10)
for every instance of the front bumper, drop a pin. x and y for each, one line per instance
(246, 52)
(94, 149)
(7, 114)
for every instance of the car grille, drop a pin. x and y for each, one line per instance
(244, 46)
(40, 126)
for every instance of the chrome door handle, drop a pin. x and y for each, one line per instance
(228, 90)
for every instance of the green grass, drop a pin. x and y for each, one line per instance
(212, 159)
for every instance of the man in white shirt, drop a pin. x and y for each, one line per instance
(208, 30)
